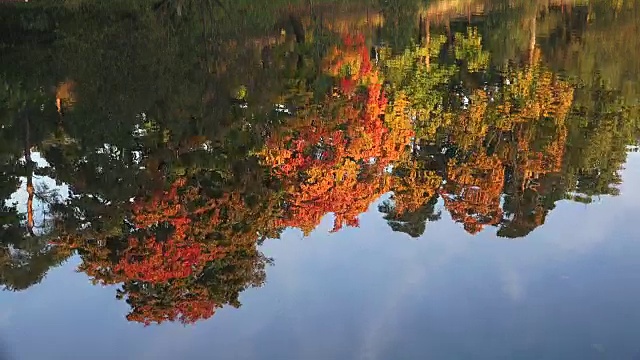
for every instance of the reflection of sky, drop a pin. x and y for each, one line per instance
(570, 290)
(43, 185)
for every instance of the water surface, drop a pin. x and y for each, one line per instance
(326, 180)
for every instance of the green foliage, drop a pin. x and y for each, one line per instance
(468, 49)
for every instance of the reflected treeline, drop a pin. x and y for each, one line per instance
(163, 142)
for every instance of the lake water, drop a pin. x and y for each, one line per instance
(400, 179)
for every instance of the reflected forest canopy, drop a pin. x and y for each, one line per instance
(162, 142)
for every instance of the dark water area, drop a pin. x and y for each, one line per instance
(336, 179)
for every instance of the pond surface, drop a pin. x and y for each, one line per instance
(401, 179)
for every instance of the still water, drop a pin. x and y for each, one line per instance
(396, 179)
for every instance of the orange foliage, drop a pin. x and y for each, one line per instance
(544, 99)
(531, 102)
(180, 254)
(473, 190)
(65, 95)
(472, 126)
(334, 159)
(414, 188)
(169, 302)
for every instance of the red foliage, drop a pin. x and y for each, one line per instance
(181, 254)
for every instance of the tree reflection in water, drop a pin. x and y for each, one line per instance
(187, 137)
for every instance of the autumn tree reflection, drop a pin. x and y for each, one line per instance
(334, 155)
(184, 146)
